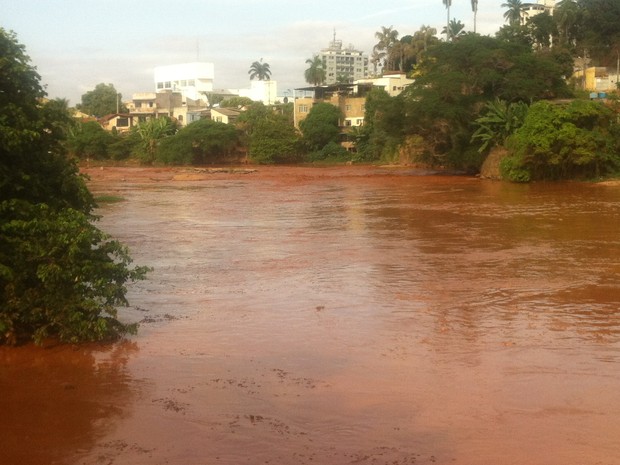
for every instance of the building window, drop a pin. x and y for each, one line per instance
(122, 122)
(191, 82)
(347, 122)
(160, 85)
(167, 85)
(347, 108)
(303, 108)
(359, 122)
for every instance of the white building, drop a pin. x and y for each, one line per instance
(529, 10)
(192, 80)
(261, 91)
(393, 83)
(343, 64)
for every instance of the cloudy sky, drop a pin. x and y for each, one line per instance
(76, 44)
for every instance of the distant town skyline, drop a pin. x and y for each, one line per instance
(77, 44)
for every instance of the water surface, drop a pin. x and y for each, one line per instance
(319, 317)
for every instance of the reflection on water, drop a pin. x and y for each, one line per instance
(386, 319)
(60, 401)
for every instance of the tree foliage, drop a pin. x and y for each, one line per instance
(455, 81)
(102, 100)
(259, 70)
(203, 141)
(383, 127)
(60, 276)
(315, 74)
(499, 121)
(321, 126)
(150, 133)
(579, 139)
(269, 133)
(89, 140)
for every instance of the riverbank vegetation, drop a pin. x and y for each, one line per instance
(60, 276)
(470, 94)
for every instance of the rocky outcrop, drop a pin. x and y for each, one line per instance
(490, 167)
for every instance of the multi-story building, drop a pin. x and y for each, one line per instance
(529, 10)
(147, 105)
(343, 65)
(191, 80)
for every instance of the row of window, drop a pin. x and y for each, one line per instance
(175, 84)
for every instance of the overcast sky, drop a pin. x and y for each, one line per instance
(76, 44)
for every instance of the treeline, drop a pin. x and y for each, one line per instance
(471, 94)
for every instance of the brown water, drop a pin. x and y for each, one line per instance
(326, 317)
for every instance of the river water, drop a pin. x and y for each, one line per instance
(320, 316)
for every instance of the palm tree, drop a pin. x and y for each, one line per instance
(376, 59)
(448, 4)
(315, 74)
(513, 13)
(387, 37)
(566, 14)
(425, 34)
(474, 8)
(455, 30)
(260, 71)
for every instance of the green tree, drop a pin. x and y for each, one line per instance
(102, 100)
(321, 126)
(387, 38)
(541, 28)
(315, 74)
(455, 30)
(60, 276)
(458, 78)
(203, 141)
(89, 140)
(580, 139)
(259, 70)
(236, 102)
(600, 30)
(150, 133)
(499, 121)
(383, 128)
(269, 134)
(513, 11)
(567, 16)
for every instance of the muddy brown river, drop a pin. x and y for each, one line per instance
(340, 316)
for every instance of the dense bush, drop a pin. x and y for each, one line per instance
(321, 126)
(60, 276)
(90, 140)
(203, 141)
(579, 139)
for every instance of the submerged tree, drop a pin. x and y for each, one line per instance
(60, 276)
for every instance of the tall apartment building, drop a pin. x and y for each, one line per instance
(343, 64)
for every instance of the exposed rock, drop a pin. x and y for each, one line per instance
(490, 167)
